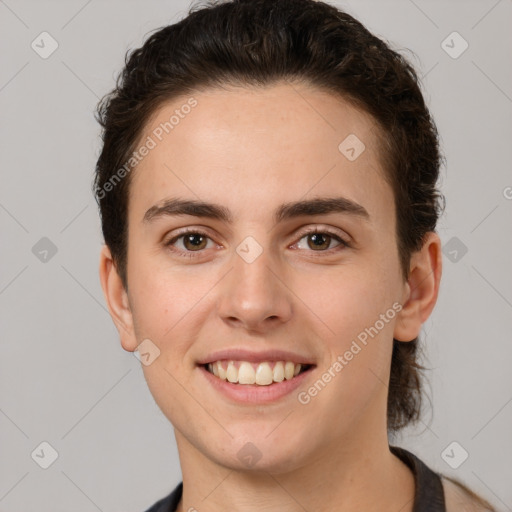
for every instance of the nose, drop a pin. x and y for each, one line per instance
(253, 296)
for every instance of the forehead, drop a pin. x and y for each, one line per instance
(246, 145)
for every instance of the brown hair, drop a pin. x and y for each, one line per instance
(260, 42)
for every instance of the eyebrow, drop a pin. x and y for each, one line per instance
(318, 206)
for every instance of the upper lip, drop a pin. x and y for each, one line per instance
(240, 354)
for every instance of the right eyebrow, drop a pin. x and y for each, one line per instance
(195, 208)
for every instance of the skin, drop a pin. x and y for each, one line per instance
(251, 150)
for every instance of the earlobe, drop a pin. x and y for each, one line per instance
(117, 301)
(421, 290)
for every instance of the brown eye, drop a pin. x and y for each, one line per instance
(194, 241)
(189, 243)
(319, 241)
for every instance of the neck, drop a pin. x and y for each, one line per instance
(358, 473)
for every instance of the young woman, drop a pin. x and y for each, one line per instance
(268, 194)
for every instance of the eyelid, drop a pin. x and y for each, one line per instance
(317, 228)
(309, 229)
(188, 229)
(168, 242)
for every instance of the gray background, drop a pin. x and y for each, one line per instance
(64, 377)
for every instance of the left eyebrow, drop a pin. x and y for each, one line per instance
(320, 206)
(286, 211)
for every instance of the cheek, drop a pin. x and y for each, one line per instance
(164, 299)
(345, 300)
(170, 390)
(354, 318)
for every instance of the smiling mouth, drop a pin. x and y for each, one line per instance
(264, 373)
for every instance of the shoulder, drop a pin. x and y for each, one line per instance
(459, 498)
(170, 502)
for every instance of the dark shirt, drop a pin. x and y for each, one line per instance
(428, 494)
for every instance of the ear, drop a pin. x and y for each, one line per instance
(421, 290)
(117, 300)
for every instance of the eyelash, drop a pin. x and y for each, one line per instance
(193, 254)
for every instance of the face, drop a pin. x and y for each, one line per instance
(274, 272)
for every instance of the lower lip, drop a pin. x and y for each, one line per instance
(254, 393)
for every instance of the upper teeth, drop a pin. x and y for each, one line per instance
(243, 372)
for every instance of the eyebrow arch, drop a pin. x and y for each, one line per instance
(286, 211)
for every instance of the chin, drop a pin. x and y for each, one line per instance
(262, 452)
